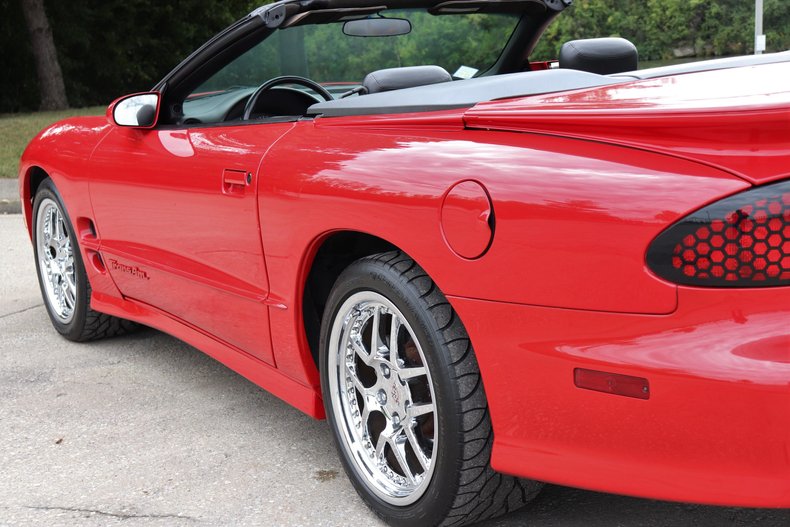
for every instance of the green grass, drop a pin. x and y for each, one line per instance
(17, 129)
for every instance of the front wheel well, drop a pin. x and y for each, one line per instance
(337, 252)
(35, 176)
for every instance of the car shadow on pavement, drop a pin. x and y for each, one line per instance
(556, 506)
(568, 507)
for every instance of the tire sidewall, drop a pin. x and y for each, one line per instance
(432, 507)
(73, 328)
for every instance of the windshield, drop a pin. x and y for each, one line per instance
(463, 44)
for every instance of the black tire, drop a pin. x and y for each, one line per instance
(84, 324)
(463, 488)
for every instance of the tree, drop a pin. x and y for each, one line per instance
(50, 78)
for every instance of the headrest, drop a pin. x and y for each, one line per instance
(599, 55)
(398, 78)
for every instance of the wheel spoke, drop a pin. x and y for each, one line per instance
(53, 227)
(58, 235)
(68, 300)
(415, 446)
(374, 338)
(410, 373)
(365, 415)
(380, 445)
(398, 446)
(417, 410)
(394, 330)
(360, 350)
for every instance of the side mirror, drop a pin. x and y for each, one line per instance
(140, 110)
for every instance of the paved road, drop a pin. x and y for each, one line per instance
(147, 431)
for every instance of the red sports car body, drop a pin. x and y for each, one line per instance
(617, 249)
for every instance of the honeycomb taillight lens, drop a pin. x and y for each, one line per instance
(740, 241)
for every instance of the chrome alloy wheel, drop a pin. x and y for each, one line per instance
(383, 398)
(56, 260)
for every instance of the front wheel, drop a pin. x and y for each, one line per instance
(405, 400)
(61, 273)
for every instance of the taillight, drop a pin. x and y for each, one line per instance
(740, 241)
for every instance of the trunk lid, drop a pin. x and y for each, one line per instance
(735, 119)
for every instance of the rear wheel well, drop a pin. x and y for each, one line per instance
(336, 253)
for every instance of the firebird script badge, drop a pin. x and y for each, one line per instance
(132, 270)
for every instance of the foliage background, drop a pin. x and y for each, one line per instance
(115, 47)
(107, 48)
(710, 28)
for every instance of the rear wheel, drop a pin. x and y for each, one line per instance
(61, 273)
(405, 400)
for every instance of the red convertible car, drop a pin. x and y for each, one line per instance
(485, 272)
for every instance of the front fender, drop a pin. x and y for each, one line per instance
(62, 152)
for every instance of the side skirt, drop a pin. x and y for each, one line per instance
(305, 398)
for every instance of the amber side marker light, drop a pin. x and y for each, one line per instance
(614, 383)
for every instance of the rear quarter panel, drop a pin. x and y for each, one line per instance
(572, 218)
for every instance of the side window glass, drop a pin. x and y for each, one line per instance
(223, 97)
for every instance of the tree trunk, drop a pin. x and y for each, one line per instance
(50, 78)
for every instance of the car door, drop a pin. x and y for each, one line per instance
(176, 213)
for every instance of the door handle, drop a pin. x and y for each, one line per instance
(234, 181)
(236, 177)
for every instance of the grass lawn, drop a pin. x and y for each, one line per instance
(17, 129)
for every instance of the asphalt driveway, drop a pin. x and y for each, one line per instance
(145, 430)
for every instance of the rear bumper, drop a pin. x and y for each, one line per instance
(715, 430)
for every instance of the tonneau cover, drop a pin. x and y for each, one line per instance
(462, 93)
